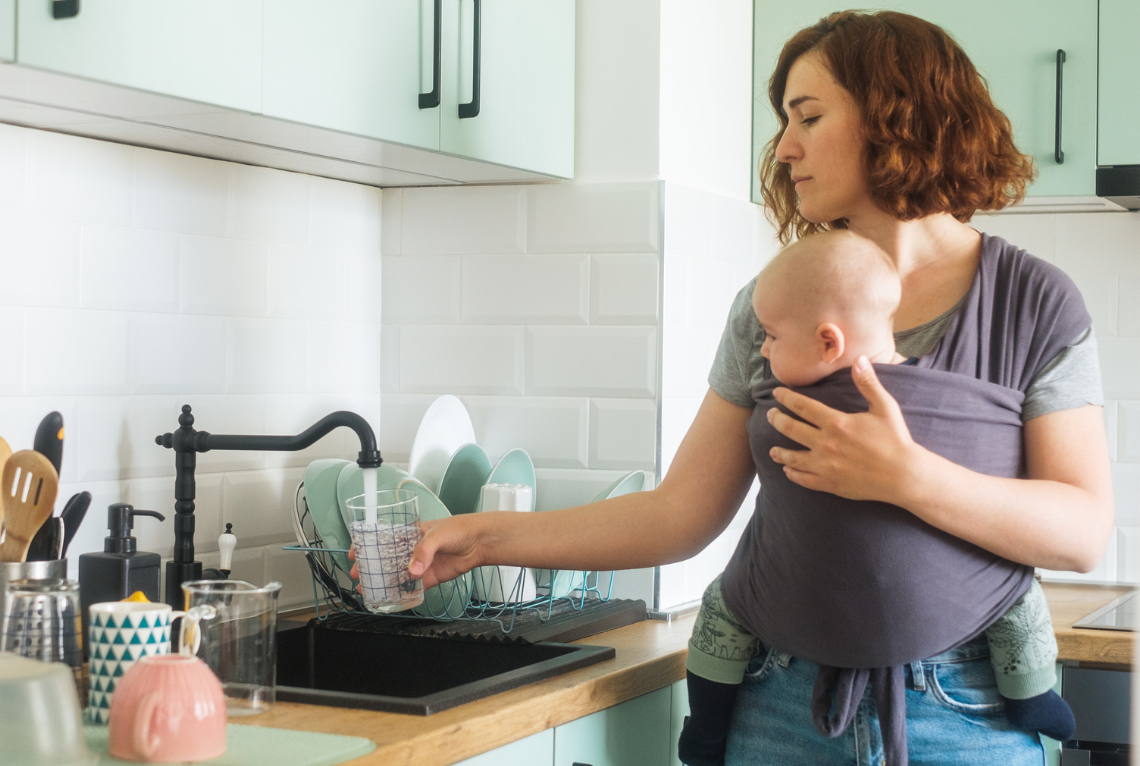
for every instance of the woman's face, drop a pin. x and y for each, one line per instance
(822, 145)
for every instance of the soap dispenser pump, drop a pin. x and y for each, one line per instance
(120, 569)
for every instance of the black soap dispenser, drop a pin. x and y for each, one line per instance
(119, 570)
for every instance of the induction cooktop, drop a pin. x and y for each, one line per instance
(1119, 614)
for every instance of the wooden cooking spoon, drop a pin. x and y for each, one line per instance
(5, 453)
(29, 487)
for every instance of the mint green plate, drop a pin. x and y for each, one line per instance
(515, 467)
(634, 481)
(324, 510)
(464, 479)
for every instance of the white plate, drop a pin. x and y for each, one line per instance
(445, 428)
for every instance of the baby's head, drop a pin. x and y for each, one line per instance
(822, 302)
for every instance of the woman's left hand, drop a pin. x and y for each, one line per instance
(860, 456)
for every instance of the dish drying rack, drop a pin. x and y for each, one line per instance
(555, 591)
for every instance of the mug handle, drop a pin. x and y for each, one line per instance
(190, 633)
(145, 744)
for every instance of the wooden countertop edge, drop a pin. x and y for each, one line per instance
(650, 656)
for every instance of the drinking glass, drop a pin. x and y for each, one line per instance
(41, 622)
(240, 642)
(384, 537)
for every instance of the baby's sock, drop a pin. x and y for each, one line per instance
(705, 733)
(1046, 713)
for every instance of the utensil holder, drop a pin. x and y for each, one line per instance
(14, 571)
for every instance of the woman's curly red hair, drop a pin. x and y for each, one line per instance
(935, 141)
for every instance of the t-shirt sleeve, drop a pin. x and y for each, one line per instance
(730, 376)
(1071, 379)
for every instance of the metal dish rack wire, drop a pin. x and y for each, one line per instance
(492, 594)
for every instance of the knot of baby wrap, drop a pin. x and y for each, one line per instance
(846, 687)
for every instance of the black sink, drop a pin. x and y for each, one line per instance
(419, 675)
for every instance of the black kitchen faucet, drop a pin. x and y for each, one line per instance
(187, 442)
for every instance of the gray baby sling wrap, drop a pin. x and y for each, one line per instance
(864, 588)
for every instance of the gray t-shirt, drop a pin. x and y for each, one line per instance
(1070, 380)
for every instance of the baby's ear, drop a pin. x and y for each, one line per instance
(831, 342)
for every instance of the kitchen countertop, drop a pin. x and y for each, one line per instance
(650, 655)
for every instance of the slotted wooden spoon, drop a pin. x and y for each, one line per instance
(29, 487)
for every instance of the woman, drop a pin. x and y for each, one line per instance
(886, 129)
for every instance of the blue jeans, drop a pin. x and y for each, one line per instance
(954, 717)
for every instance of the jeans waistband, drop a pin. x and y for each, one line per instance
(974, 649)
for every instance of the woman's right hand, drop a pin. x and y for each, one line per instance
(447, 550)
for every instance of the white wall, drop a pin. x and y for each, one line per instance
(135, 281)
(1101, 252)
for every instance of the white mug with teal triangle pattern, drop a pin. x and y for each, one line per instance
(120, 632)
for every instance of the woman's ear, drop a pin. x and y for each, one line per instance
(831, 342)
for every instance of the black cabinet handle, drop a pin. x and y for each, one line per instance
(471, 108)
(1058, 154)
(64, 9)
(431, 100)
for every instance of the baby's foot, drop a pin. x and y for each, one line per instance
(698, 748)
(1046, 713)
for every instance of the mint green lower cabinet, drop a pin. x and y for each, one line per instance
(535, 750)
(201, 50)
(634, 733)
(1014, 45)
(7, 30)
(677, 713)
(526, 78)
(1118, 106)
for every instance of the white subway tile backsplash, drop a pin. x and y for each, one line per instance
(1126, 489)
(1128, 435)
(677, 414)
(128, 269)
(259, 504)
(526, 289)
(390, 358)
(1100, 296)
(623, 433)
(116, 437)
(391, 229)
(567, 487)
(291, 570)
(624, 288)
(343, 357)
(675, 312)
(12, 361)
(20, 415)
(172, 354)
(552, 430)
(12, 168)
(343, 214)
(40, 262)
(78, 179)
(288, 414)
(688, 221)
(268, 205)
(266, 356)
(75, 352)
(399, 420)
(422, 289)
(732, 231)
(306, 282)
(591, 361)
(223, 414)
(1033, 233)
(1129, 296)
(1099, 243)
(466, 359)
(687, 358)
(1120, 367)
(1128, 554)
(363, 286)
(712, 287)
(224, 276)
(176, 192)
(463, 220)
(592, 218)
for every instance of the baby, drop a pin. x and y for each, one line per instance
(822, 302)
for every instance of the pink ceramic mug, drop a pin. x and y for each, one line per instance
(168, 708)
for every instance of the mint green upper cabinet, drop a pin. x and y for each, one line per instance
(634, 733)
(1014, 45)
(7, 30)
(1118, 129)
(356, 66)
(201, 50)
(526, 83)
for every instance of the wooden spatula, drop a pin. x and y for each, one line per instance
(28, 490)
